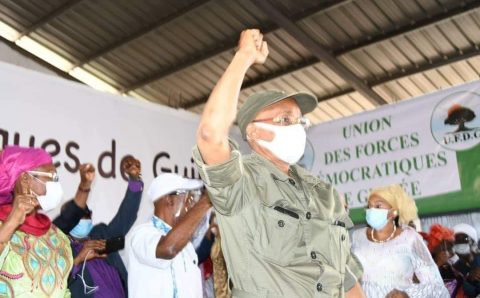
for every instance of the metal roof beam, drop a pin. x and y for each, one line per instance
(411, 27)
(444, 15)
(436, 63)
(461, 56)
(49, 17)
(143, 31)
(40, 61)
(225, 46)
(276, 74)
(319, 51)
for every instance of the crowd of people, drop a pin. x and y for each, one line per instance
(255, 225)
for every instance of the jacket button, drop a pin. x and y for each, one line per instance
(308, 215)
(281, 223)
(313, 255)
(319, 287)
(343, 237)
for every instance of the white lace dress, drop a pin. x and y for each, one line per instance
(391, 265)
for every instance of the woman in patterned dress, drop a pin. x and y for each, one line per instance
(35, 256)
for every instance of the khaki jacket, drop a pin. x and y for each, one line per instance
(283, 236)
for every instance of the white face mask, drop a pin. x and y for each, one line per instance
(462, 249)
(288, 144)
(52, 197)
(453, 259)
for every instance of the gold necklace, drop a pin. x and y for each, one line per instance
(388, 238)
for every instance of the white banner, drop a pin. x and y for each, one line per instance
(413, 143)
(77, 124)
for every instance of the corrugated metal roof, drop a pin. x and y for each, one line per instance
(172, 52)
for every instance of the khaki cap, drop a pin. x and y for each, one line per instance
(307, 102)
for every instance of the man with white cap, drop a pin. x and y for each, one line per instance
(469, 260)
(162, 261)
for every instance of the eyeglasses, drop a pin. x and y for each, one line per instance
(462, 238)
(51, 175)
(182, 194)
(286, 120)
(196, 194)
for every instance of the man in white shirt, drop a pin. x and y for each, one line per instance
(162, 261)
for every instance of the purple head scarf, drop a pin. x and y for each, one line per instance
(14, 160)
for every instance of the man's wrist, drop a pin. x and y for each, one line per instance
(135, 178)
(83, 188)
(135, 185)
(247, 57)
(205, 204)
(85, 184)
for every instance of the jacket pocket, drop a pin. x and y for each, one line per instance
(277, 235)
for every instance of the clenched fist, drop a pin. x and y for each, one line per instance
(132, 167)
(23, 205)
(251, 43)
(87, 175)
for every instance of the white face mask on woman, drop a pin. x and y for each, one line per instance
(462, 249)
(288, 143)
(52, 197)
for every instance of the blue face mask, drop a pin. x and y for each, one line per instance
(377, 218)
(82, 229)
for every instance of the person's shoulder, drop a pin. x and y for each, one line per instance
(476, 257)
(308, 177)
(410, 232)
(56, 231)
(144, 227)
(359, 233)
(411, 235)
(254, 165)
(359, 238)
(99, 231)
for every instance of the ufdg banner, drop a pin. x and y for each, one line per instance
(429, 145)
(77, 124)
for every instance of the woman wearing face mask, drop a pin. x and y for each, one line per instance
(35, 256)
(94, 272)
(469, 258)
(440, 242)
(392, 253)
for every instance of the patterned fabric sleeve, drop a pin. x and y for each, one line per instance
(431, 283)
(4, 254)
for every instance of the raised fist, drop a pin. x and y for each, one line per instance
(23, 204)
(132, 167)
(87, 175)
(251, 43)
